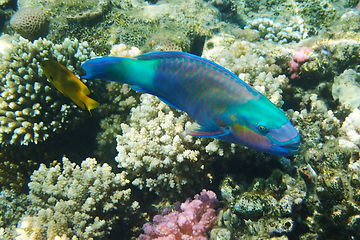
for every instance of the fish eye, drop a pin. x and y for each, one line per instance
(262, 129)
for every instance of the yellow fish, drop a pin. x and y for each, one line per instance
(68, 84)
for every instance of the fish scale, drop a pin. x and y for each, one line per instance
(223, 105)
(203, 95)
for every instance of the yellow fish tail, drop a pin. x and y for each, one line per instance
(89, 103)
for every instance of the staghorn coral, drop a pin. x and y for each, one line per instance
(31, 109)
(31, 23)
(74, 202)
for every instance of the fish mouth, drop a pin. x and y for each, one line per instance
(292, 148)
(287, 149)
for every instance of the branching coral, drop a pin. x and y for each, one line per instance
(350, 131)
(155, 151)
(79, 202)
(31, 109)
(159, 156)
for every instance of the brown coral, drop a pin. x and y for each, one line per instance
(30, 23)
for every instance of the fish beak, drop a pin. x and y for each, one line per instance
(292, 148)
(288, 149)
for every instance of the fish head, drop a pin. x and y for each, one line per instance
(263, 126)
(49, 68)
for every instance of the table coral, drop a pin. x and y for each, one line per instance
(31, 109)
(192, 221)
(76, 202)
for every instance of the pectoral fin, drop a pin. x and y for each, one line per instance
(197, 130)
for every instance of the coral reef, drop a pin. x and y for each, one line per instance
(314, 196)
(2, 19)
(12, 206)
(31, 109)
(301, 56)
(168, 41)
(120, 98)
(267, 209)
(350, 131)
(121, 50)
(192, 220)
(74, 201)
(274, 31)
(346, 89)
(154, 151)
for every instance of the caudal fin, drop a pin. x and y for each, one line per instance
(90, 103)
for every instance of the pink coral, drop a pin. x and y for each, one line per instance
(191, 222)
(301, 56)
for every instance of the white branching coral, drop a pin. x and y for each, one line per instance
(121, 50)
(157, 154)
(74, 202)
(30, 107)
(350, 131)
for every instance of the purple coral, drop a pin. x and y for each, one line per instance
(191, 222)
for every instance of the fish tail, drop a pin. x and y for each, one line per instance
(135, 72)
(90, 103)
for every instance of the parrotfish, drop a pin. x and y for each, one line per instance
(223, 106)
(68, 84)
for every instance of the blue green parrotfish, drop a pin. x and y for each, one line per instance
(223, 106)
